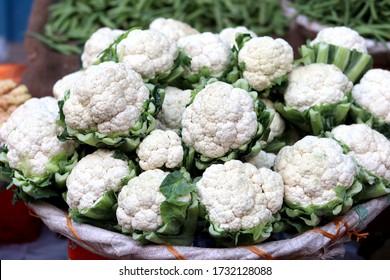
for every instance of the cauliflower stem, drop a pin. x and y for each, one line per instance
(354, 64)
(318, 118)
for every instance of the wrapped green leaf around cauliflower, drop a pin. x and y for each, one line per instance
(94, 184)
(210, 57)
(39, 161)
(319, 180)
(224, 122)
(342, 47)
(175, 102)
(160, 149)
(371, 151)
(241, 202)
(317, 98)
(159, 207)
(110, 106)
(371, 100)
(150, 53)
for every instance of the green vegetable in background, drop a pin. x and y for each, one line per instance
(71, 22)
(370, 18)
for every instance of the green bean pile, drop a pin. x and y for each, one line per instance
(371, 18)
(71, 22)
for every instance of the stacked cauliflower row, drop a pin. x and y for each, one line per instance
(167, 134)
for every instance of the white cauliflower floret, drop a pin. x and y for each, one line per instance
(206, 50)
(172, 28)
(265, 59)
(175, 102)
(316, 84)
(341, 36)
(312, 168)
(277, 125)
(160, 148)
(66, 83)
(93, 176)
(108, 98)
(139, 202)
(148, 52)
(238, 196)
(221, 118)
(30, 135)
(370, 148)
(372, 93)
(228, 34)
(101, 39)
(262, 159)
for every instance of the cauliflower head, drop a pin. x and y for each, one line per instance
(312, 168)
(370, 148)
(228, 34)
(221, 118)
(93, 176)
(263, 159)
(30, 135)
(108, 98)
(316, 84)
(66, 83)
(206, 50)
(265, 60)
(160, 149)
(341, 36)
(148, 52)
(372, 93)
(98, 42)
(172, 28)
(238, 196)
(139, 202)
(175, 102)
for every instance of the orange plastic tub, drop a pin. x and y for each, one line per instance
(12, 71)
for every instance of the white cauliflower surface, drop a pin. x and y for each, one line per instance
(239, 196)
(370, 148)
(148, 52)
(372, 93)
(312, 168)
(228, 34)
(341, 36)
(160, 149)
(66, 83)
(175, 102)
(172, 28)
(139, 202)
(108, 99)
(262, 159)
(206, 50)
(101, 39)
(93, 176)
(265, 59)
(316, 84)
(30, 135)
(221, 118)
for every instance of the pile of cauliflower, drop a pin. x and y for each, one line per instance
(168, 134)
